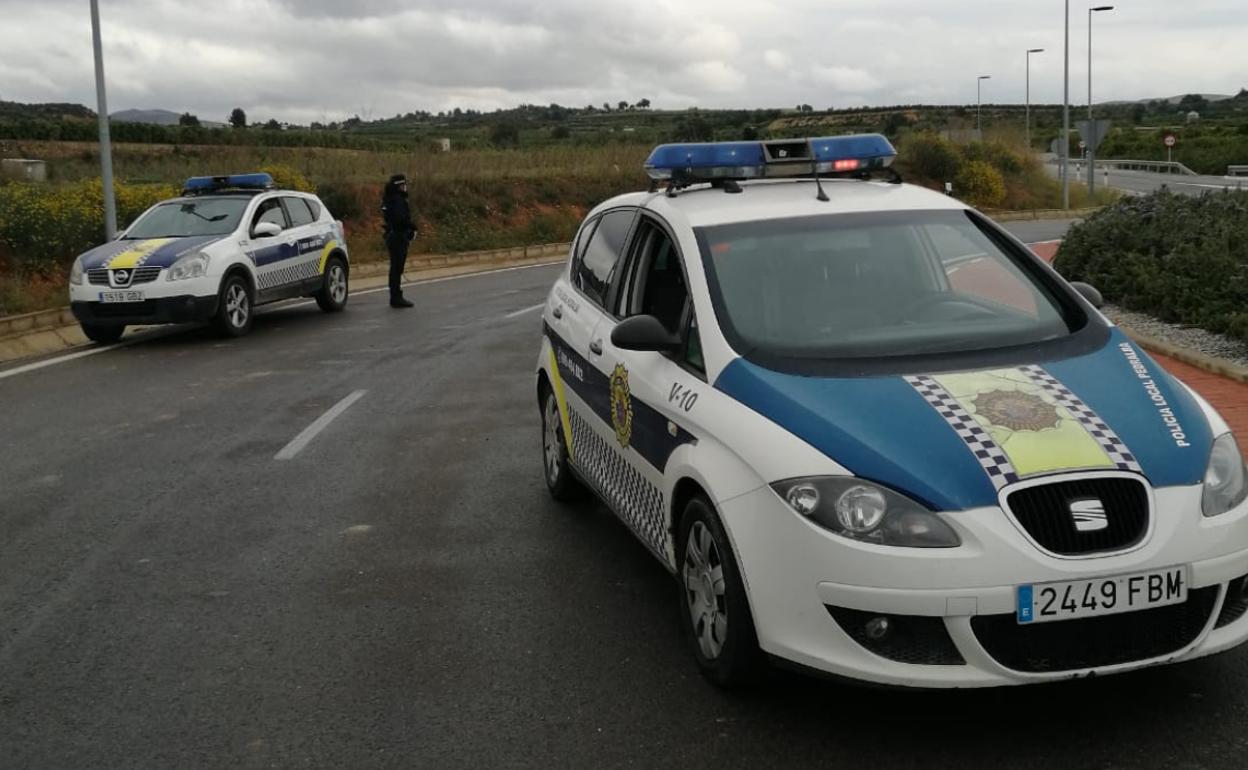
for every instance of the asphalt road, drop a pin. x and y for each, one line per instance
(403, 592)
(1143, 183)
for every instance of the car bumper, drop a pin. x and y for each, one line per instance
(811, 593)
(161, 310)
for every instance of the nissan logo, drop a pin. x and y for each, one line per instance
(1089, 514)
(121, 276)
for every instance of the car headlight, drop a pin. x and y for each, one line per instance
(75, 272)
(864, 511)
(1224, 478)
(190, 266)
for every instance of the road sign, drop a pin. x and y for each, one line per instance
(1092, 132)
(1083, 145)
(1170, 140)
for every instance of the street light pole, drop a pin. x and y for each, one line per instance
(1066, 117)
(1091, 124)
(979, 91)
(106, 147)
(1030, 51)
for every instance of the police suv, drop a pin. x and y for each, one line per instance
(228, 244)
(872, 435)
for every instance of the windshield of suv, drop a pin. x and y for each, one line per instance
(177, 219)
(876, 285)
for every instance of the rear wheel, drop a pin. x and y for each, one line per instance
(333, 294)
(234, 310)
(715, 611)
(103, 334)
(562, 484)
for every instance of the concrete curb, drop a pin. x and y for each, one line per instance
(1211, 364)
(1036, 214)
(52, 331)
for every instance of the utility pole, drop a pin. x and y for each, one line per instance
(1092, 140)
(106, 146)
(979, 126)
(1066, 117)
(1030, 51)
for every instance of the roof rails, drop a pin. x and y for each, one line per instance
(724, 164)
(235, 183)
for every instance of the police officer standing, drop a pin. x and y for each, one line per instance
(400, 230)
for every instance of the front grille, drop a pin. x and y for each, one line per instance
(1045, 512)
(910, 639)
(1068, 645)
(99, 276)
(1236, 602)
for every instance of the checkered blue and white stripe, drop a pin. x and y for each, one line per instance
(270, 279)
(1104, 435)
(635, 500)
(991, 456)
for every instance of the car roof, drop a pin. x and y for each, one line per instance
(238, 194)
(786, 198)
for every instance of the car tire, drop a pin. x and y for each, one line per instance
(556, 464)
(332, 297)
(714, 609)
(234, 307)
(103, 334)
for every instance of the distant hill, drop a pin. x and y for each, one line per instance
(156, 117)
(19, 111)
(1170, 99)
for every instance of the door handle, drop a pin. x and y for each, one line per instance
(595, 347)
(557, 312)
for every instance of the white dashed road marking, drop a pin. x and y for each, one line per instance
(527, 310)
(303, 439)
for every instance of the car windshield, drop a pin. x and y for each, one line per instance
(176, 219)
(856, 286)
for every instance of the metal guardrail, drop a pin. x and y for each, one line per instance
(1237, 170)
(1151, 166)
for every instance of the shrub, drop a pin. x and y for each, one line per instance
(288, 178)
(931, 157)
(1179, 258)
(979, 184)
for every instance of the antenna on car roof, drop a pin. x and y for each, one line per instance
(814, 170)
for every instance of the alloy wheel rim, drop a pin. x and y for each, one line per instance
(705, 591)
(236, 306)
(337, 283)
(550, 440)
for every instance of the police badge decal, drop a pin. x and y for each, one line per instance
(621, 406)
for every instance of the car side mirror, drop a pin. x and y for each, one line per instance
(265, 230)
(644, 332)
(1089, 292)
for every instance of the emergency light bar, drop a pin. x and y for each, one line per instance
(207, 184)
(691, 163)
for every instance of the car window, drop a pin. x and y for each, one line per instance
(205, 216)
(659, 286)
(597, 266)
(314, 207)
(299, 212)
(875, 285)
(693, 347)
(270, 211)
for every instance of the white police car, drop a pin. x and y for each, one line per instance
(228, 244)
(874, 436)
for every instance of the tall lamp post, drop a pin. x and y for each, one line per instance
(1030, 51)
(1066, 115)
(1091, 147)
(979, 91)
(106, 147)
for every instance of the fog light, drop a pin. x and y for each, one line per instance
(877, 628)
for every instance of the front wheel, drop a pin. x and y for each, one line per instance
(332, 296)
(234, 311)
(715, 611)
(102, 334)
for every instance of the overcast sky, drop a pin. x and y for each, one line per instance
(305, 60)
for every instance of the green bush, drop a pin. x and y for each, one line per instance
(979, 184)
(931, 157)
(1179, 258)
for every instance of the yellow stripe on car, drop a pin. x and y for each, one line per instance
(562, 400)
(134, 256)
(325, 252)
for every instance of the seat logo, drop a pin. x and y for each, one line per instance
(1089, 514)
(621, 406)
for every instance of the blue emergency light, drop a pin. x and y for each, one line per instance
(208, 184)
(690, 163)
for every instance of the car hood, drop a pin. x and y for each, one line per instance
(952, 441)
(153, 252)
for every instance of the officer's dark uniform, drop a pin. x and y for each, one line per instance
(400, 230)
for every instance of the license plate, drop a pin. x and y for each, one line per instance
(121, 296)
(1047, 602)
